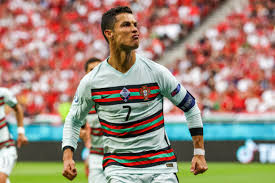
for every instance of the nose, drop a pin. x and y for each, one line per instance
(134, 29)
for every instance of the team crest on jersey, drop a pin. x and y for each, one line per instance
(125, 94)
(145, 92)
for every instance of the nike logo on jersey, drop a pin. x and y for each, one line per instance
(105, 96)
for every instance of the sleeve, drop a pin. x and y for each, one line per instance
(9, 98)
(180, 97)
(80, 107)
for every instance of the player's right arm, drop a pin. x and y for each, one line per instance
(80, 107)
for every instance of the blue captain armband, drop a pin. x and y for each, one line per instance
(187, 103)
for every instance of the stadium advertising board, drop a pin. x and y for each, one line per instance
(248, 152)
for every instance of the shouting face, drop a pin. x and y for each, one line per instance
(125, 33)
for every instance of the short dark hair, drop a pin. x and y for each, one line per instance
(109, 18)
(91, 60)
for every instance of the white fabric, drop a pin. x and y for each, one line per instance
(6, 97)
(8, 157)
(143, 178)
(95, 161)
(96, 173)
(9, 99)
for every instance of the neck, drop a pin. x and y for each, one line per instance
(122, 60)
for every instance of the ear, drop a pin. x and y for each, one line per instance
(109, 34)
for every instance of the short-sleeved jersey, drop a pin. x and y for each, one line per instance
(96, 133)
(5, 98)
(130, 110)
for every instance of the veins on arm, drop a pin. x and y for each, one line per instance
(198, 141)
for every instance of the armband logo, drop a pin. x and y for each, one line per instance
(175, 91)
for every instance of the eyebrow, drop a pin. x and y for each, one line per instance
(124, 22)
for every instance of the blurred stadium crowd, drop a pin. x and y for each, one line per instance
(44, 44)
(233, 64)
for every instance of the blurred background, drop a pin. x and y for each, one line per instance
(222, 51)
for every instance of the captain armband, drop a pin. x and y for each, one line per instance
(187, 103)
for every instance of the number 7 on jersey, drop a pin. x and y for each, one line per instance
(129, 111)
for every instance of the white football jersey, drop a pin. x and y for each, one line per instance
(6, 97)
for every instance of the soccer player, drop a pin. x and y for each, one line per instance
(8, 154)
(127, 91)
(92, 135)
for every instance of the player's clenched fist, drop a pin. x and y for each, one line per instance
(69, 170)
(21, 140)
(198, 165)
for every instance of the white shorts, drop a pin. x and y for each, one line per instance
(8, 157)
(96, 173)
(144, 178)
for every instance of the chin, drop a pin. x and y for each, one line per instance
(136, 46)
(130, 47)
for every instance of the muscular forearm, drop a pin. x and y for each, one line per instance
(19, 115)
(198, 164)
(198, 142)
(69, 170)
(67, 154)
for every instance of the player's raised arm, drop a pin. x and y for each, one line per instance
(80, 107)
(177, 94)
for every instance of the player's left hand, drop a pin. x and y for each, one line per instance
(69, 170)
(198, 164)
(21, 140)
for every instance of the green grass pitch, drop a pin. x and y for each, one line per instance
(50, 172)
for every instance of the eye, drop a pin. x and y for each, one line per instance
(135, 24)
(126, 24)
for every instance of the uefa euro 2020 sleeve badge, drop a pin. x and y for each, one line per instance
(145, 92)
(125, 94)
